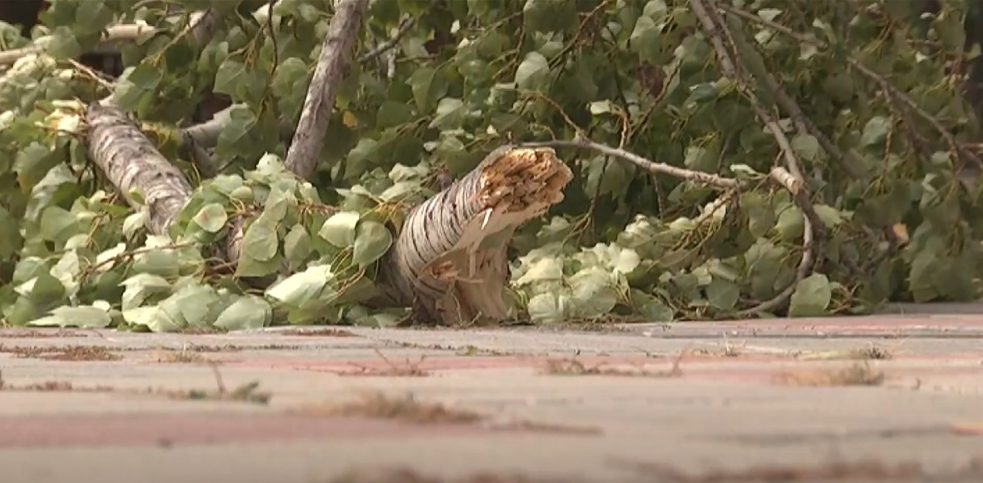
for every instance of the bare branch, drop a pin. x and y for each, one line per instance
(644, 163)
(115, 33)
(332, 65)
(404, 28)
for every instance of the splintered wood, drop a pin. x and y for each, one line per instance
(526, 180)
(451, 257)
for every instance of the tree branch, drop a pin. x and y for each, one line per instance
(404, 28)
(113, 34)
(886, 86)
(331, 67)
(132, 163)
(641, 162)
(814, 231)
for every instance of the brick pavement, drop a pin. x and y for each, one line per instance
(884, 398)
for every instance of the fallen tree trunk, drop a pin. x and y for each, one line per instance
(133, 165)
(450, 262)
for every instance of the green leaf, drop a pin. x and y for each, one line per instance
(58, 225)
(450, 114)
(260, 242)
(33, 163)
(86, 317)
(211, 217)
(592, 293)
(533, 72)
(11, 240)
(392, 114)
(301, 287)
(142, 286)
(548, 307)
(650, 307)
(297, 245)
(646, 40)
(339, 230)
(427, 85)
(811, 297)
(229, 76)
(192, 306)
(137, 85)
(791, 223)
(247, 312)
(830, 216)
(372, 241)
(806, 146)
(63, 44)
(722, 294)
(92, 17)
(875, 131)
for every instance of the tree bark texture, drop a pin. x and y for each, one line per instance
(131, 162)
(450, 262)
(332, 66)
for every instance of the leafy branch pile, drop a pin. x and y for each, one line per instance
(730, 159)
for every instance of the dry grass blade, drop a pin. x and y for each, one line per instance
(867, 353)
(325, 332)
(69, 353)
(183, 357)
(864, 470)
(855, 375)
(410, 369)
(573, 367)
(407, 409)
(407, 475)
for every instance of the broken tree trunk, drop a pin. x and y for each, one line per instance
(133, 164)
(450, 262)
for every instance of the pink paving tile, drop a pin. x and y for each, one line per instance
(836, 325)
(438, 363)
(202, 428)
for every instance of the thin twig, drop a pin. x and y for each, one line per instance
(644, 163)
(404, 28)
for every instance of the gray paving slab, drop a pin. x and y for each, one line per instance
(750, 396)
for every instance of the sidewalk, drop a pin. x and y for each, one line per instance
(887, 398)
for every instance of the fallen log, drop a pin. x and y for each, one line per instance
(450, 262)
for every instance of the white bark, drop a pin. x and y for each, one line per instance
(450, 260)
(332, 66)
(131, 163)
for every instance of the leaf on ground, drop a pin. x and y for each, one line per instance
(247, 312)
(301, 287)
(811, 297)
(86, 317)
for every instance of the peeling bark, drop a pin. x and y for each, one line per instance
(131, 162)
(332, 65)
(450, 262)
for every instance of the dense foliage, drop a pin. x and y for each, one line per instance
(867, 94)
